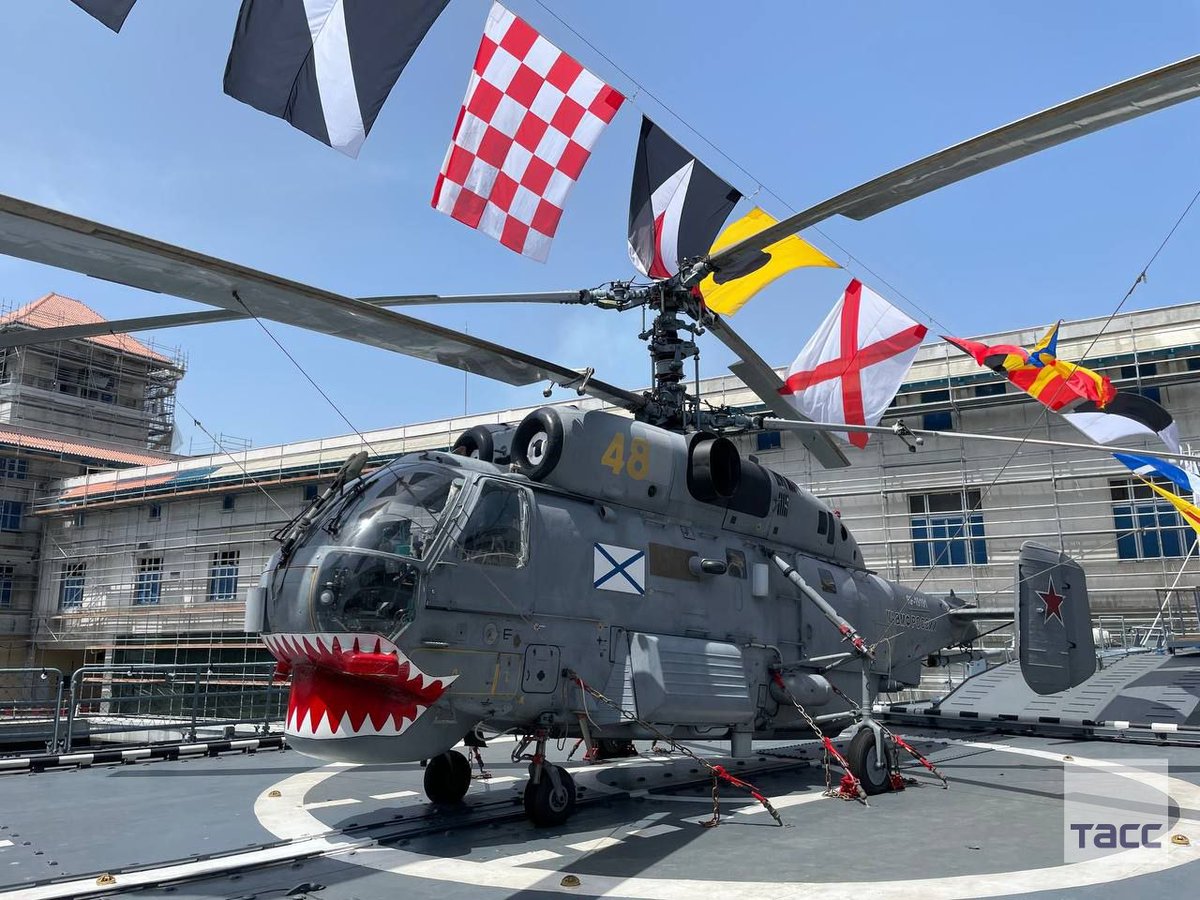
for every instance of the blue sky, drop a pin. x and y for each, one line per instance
(134, 130)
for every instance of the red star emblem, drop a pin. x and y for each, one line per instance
(1053, 601)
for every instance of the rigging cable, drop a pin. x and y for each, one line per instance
(309, 378)
(232, 458)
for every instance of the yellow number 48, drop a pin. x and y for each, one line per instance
(637, 466)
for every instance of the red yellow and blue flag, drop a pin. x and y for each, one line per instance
(1039, 372)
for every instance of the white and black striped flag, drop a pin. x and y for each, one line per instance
(111, 13)
(676, 207)
(325, 66)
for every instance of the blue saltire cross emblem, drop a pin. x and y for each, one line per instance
(620, 569)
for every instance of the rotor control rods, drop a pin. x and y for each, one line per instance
(845, 629)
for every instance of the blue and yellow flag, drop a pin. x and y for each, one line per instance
(1189, 511)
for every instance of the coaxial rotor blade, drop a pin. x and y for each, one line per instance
(24, 337)
(765, 383)
(1092, 112)
(38, 234)
(439, 299)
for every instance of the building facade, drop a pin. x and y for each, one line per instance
(66, 408)
(151, 563)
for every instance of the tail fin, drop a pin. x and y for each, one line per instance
(1053, 620)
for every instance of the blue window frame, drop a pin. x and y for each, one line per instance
(938, 420)
(70, 587)
(947, 529)
(147, 587)
(223, 575)
(768, 440)
(1147, 526)
(12, 467)
(10, 515)
(6, 586)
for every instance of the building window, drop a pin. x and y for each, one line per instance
(11, 467)
(223, 575)
(155, 510)
(941, 420)
(79, 519)
(1140, 371)
(228, 502)
(6, 586)
(947, 529)
(70, 588)
(310, 493)
(10, 515)
(148, 586)
(994, 389)
(1148, 527)
(768, 440)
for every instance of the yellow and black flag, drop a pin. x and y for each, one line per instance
(727, 291)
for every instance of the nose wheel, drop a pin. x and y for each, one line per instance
(874, 774)
(550, 793)
(550, 799)
(447, 778)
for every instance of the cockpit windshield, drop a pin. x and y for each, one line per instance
(396, 511)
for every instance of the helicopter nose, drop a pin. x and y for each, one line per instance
(352, 685)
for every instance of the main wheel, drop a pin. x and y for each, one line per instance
(864, 764)
(447, 778)
(547, 805)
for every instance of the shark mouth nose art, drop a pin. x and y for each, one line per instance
(352, 685)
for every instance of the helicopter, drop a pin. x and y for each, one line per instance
(629, 552)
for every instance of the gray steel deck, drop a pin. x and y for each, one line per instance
(995, 832)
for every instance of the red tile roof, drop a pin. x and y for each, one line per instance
(54, 310)
(15, 437)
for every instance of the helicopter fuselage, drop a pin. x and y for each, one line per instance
(443, 591)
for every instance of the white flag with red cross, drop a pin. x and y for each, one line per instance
(850, 370)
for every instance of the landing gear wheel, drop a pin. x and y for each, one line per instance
(547, 804)
(861, 755)
(612, 748)
(447, 778)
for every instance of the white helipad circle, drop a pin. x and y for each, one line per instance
(286, 818)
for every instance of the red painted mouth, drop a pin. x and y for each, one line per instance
(352, 685)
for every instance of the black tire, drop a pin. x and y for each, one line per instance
(447, 778)
(614, 748)
(546, 807)
(861, 757)
(538, 444)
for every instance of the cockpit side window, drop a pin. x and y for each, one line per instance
(497, 533)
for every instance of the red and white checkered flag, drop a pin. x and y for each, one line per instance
(528, 124)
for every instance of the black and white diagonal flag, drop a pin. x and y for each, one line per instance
(676, 207)
(325, 66)
(110, 12)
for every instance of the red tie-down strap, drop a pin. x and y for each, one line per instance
(850, 787)
(912, 751)
(722, 773)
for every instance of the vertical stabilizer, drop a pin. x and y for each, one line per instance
(1053, 620)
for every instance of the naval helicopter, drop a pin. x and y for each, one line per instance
(631, 551)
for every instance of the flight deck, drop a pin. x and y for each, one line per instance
(274, 823)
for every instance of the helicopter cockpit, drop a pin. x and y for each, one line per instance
(356, 568)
